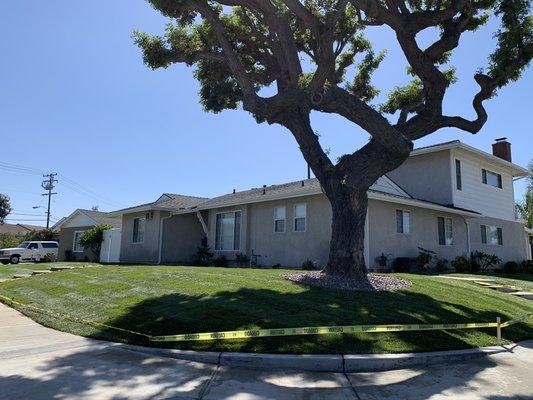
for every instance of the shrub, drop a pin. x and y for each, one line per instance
(527, 266)
(93, 238)
(242, 259)
(511, 267)
(8, 240)
(203, 255)
(425, 258)
(482, 261)
(308, 265)
(441, 265)
(461, 264)
(401, 264)
(276, 266)
(221, 261)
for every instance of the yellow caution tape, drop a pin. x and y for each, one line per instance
(316, 330)
(516, 320)
(251, 333)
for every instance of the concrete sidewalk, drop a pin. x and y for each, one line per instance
(40, 363)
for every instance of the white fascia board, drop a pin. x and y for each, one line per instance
(67, 219)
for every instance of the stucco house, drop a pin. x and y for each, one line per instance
(450, 198)
(72, 227)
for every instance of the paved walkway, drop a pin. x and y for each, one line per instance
(40, 363)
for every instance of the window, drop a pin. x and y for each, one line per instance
(445, 231)
(491, 178)
(33, 246)
(403, 221)
(49, 245)
(138, 229)
(458, 178)
(76, 246)
(279, 219)
(491, 235)
(228, 231)
(300, 217)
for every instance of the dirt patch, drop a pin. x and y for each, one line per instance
(374, 283)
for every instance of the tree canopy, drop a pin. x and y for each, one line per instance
(5, 207)
(525, 207)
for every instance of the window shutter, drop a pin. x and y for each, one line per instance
(499, 181)
(458, 179)
(442, 235)
(483, 234)
(500, 236)
(484, 174)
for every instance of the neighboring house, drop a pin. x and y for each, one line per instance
(72, 227)
(18, 230)
(449, 198)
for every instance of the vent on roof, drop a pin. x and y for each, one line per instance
(233, 191)
(264, 189)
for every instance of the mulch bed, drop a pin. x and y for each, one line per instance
(375, 283)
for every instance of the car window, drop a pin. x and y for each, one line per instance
(49, 245)
(23, 245)
(33, 246)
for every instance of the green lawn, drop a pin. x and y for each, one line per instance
(523, 280)
(26, 268)
(170, 300)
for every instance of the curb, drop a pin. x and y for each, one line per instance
(326, 362)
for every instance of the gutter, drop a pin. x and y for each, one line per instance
(161, 222)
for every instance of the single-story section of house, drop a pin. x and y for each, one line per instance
(72, 227)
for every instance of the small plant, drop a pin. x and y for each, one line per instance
(49, 257)
(276, 266)
(461, 264)
(511, 267)
(482, 261)
(203, 255)
(242, 259)
(441, 265)
(527, 266)
(221, 261)
(308, 265)
(425, 258)
(401, 264)
(69, 256)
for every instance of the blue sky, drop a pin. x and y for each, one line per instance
(76, 99)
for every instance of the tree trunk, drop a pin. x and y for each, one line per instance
(347, 247)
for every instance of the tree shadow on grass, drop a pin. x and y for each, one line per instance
(248, 308)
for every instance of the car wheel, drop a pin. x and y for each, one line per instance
(4, 262)
(14, 259)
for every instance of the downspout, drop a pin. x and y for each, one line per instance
(162, 220)
(467, 236)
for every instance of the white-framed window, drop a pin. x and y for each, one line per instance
(491, 235)
(139, 225)
(403, 221)
(445, 227)
(491, 178)
(228, 231)
(279, 219)
(300, 217)
(76, 246)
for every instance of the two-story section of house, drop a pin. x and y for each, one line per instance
(463, 177)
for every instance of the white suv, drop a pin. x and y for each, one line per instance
(34, 251)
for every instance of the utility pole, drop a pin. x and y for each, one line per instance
(48, 185)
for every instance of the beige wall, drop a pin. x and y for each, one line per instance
(66, 241)
(384, 239)
(182, 235)
(146, 252)
(427, 177)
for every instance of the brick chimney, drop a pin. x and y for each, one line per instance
(502, 149)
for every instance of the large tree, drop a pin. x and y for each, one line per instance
(307, 49)
(5, 207)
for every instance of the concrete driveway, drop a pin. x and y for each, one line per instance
(40, 363)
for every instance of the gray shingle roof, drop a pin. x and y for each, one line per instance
(103, 218)
(18, 229)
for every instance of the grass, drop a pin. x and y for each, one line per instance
(523, 280)
(169, 300)
(7, 271)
